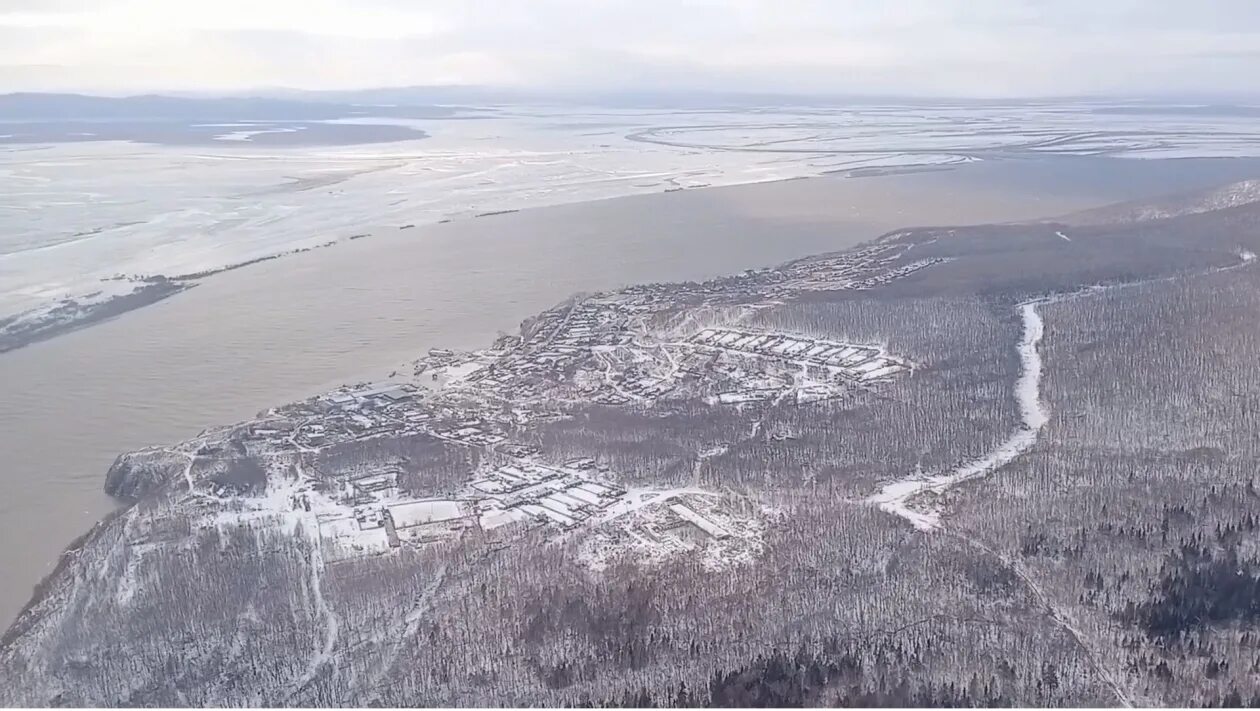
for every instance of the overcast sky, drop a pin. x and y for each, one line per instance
(929, 47)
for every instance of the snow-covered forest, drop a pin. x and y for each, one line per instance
(994, 465)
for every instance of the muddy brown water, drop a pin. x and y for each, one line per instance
(293, 327)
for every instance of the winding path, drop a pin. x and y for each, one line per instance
(323, 653)
(895, 497)
(1061, 618)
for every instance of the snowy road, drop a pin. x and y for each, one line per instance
(895, 497)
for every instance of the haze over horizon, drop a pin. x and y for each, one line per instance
(986, 49)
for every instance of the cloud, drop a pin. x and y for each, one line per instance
(952, 47)
(141, 18)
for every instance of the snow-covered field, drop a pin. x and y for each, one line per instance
(74, 215)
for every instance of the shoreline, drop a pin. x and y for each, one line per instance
(158, 287)
(67, 315)
(286, 329)
(123, 303)
(26, 615)
(16, 626)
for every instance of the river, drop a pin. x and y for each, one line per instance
(292, 327)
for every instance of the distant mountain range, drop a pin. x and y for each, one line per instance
(442, 101)
(61, 107)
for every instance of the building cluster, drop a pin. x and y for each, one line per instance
(345, 414)
(564, 496)
(369, 514)
(369, 529)
(845, 360)
(838, 271)
(379, 410)
(896, 273)
(695, 524)
(556, 341)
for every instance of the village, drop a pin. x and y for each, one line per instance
(595, 349)
(369, 514)
(600, 349)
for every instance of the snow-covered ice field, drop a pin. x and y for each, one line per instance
(74, 215)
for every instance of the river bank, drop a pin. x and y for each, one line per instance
(288, 328)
